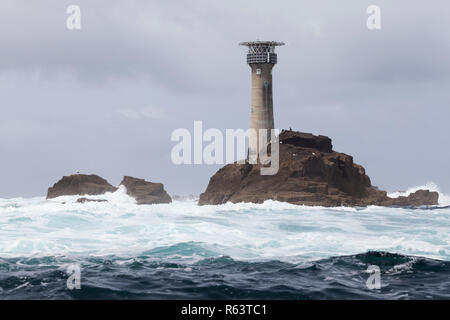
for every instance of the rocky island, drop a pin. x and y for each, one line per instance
(80, 184)
(142, 191)
(145, 192)
(310, 173)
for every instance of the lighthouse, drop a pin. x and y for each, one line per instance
(261, 58)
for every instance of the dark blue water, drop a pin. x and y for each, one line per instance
(144, 277)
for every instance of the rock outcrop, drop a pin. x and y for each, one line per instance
(310, 173)
(84, 200)
(418, 198)
(145, 192)
(80, 184)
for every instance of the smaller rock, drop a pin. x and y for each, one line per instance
(83, 200)
(418, 198)
(145, 192)
(80, 184)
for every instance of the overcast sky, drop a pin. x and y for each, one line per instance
(105, 99)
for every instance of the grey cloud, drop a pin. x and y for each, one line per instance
(106, 98)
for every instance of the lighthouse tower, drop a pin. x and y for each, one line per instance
(261, 57)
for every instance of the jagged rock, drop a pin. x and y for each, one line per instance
(83, 200)
(310, 173)
(306, 140)
(80, 184)
(418, 198)
(145, 192)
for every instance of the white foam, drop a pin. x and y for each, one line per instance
(245, 231)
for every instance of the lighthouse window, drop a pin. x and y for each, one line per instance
(258, 71)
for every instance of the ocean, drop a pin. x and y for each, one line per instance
(180, 250)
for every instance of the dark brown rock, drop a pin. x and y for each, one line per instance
(306, 140)
(80, 184)
(145, 192)
(83, 200)
(310, 173)
(418, 198)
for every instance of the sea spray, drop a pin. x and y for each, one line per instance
(180, 250)
(242, 231)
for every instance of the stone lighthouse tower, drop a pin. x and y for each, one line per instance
(261, 57)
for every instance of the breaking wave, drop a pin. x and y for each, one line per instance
(130, 251)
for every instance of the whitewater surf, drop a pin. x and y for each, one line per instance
(181, 250)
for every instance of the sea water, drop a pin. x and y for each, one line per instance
(181, 250)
